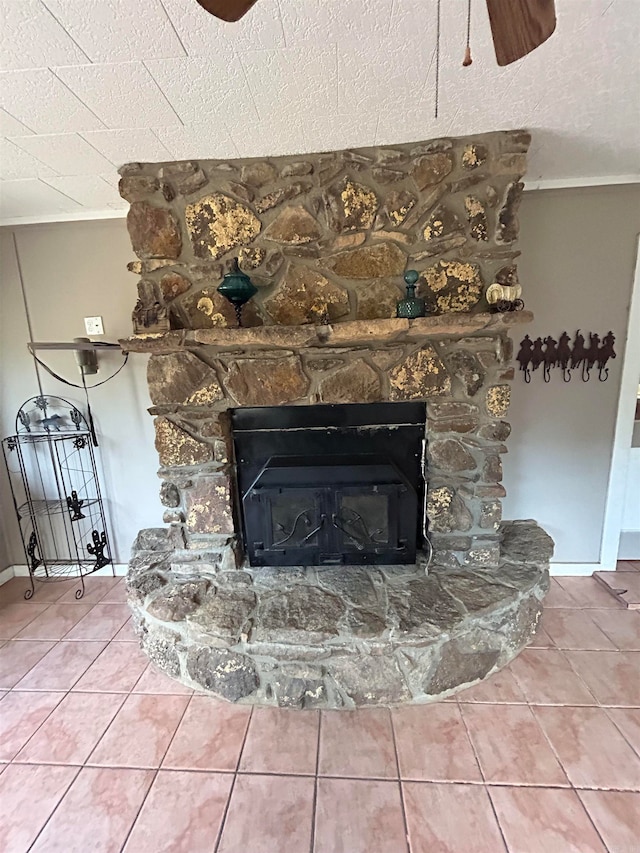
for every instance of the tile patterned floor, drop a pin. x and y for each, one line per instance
(100, 751)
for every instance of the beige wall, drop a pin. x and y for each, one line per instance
(578, 253)
(578, 257)
(73, 270)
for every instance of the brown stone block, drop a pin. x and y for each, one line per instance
(474, 155)
(431, 169)
(363, 331)
(294, 225)
(306, 296)
(397, 206)
(377, 300)
(258, 174)
(267, 382)
(452, 286)
(497, 431)
(207, 309)
(357, 382)
(265, 337)
(208, 505)
(181, 377)
(154, 231)
(385, 259)
(490, 514)
(447, 512)
(449, 409)
(176, 447)
(441, 224)
(508, 225)
(351, 206)
(449, 454)
(422, 374)
(492, 469)
(172, 285)
(494, 491)
(137, 187)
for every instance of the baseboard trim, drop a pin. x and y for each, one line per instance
(629, 547)
(574, 569)
(21, 571)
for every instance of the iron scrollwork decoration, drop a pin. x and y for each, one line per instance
(75, 506)
(97, 550)
(32, 547)
(76, 417)
(25, 420)
(568, 356)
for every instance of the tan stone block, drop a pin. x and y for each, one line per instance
(497, 400)
(422, 374)
(217, 223)
(177, 447)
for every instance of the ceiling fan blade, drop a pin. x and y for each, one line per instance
(227, 10)
(519, 26)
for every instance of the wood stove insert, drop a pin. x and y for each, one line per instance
(331, 484)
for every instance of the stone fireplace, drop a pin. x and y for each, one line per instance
(316, 461)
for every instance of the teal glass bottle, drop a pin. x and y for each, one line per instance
(411, 306)
(238, 288)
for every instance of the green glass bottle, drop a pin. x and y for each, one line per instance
(411, 306)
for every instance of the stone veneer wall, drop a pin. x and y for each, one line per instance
(195, 377)
(328, 236)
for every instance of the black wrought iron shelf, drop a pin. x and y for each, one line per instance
(49, 507)
(56, 492)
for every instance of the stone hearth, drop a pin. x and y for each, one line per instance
(336, 637)
(326, 238)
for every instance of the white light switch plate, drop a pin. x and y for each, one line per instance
(93, 325)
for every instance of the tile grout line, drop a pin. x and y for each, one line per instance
(56, 807)
(30, 622)
(155, 775)
(33, 734)
(24, 675)
(400, 783)
(606, 710)
(485, 783)
(314, 804)
(233, 784)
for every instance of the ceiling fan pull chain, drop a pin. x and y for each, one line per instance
(437, 92)
(467, 53)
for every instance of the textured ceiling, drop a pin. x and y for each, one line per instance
(86, 85)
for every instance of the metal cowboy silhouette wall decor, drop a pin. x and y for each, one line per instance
(584, 356)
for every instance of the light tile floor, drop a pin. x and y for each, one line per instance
(99, 751)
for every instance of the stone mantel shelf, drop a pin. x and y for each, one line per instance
(349, 333)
